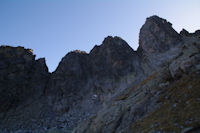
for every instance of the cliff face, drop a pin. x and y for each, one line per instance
(111, 89)
(83, 82)
(158, 43)
(165, 101)
(157, 35)
(20, 76)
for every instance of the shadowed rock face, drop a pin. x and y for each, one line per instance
(67, 85)
(21, 76)
(185, 33)
(82, 82)
(107, 90)
(158, 103)
(71, 75)
(113, 59)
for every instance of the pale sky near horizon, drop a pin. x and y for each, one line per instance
(52, 28)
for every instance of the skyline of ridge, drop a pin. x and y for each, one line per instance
(53, 29)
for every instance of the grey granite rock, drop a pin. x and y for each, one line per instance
(83, 82)
(106, 90)
(157, 35)
(21, 76)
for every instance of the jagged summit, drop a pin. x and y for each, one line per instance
(114, 41)
(114, 54)
(185, 33)
(157, 19)
(19, 50)
(109, 89)
(157, 35)
(20, 73)
(78, 52)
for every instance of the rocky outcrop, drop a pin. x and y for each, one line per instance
(21, 76)
(70, 77)
(158, 103)
(185, 33)
(113, 62)
(111, 89)
(158, 42)
(187, 59)
(82, 82)
(113, 59)
(157, 35)
(163, 63)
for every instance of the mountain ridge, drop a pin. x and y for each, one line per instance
(95, 91)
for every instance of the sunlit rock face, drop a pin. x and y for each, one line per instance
(111, 89)
(158, 42)
(157, 35)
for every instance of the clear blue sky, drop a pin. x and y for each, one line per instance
(54, 27)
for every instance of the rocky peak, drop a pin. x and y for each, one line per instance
(112, 59)
(16, 52)
(112, 56)
(88, 78)
(113, 41)
(197, 32)
(70, 76)
(185, 33)
(115, 44)
(21, 76)
(112, 49)
(72, 60)
(111, 88)
(78, 52)
(157, 36)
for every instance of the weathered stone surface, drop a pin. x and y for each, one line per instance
(111, 89)
(82, 82)
(157, 35)
(70, 77)
(21, 76)
(133, 104)
(179, 57)
(185, 33)
(113, 59)
(187, 59)
(139, 109)
(111, 62)
(158, 43)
